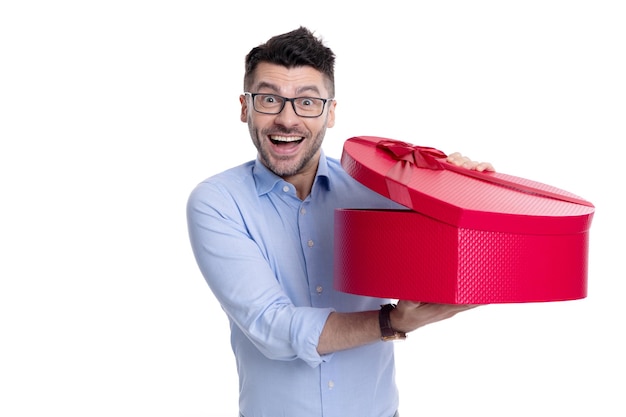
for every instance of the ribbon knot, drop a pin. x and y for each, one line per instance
(420, 156)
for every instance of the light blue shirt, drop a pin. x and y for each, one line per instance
(268, 258)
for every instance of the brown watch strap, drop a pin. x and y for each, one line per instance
(386, 331)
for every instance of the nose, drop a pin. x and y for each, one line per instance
(288, 116)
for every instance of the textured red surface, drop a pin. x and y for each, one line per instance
(464, 239)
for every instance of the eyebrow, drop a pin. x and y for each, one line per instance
(299, 90)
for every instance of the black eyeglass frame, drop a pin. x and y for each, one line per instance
(285, 100)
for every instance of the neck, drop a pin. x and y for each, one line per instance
(303, 183)
(303, 180)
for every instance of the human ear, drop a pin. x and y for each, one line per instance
(244, 108)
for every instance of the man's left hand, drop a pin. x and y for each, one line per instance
(463, 161)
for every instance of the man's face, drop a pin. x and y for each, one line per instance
(288, 144)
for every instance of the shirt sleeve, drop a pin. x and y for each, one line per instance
(238, 273)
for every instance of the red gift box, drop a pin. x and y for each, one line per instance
(467, 237)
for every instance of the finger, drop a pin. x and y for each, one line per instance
(484, 166)
(457, 159)
(469, 164)
(478, 166)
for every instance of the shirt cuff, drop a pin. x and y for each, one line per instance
(306, 328)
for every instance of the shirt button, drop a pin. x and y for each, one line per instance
(302, 210)
(331, 384)
(285, 188)
(310, 243)
(319, 289)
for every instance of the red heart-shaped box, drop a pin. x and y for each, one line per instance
(466, 237)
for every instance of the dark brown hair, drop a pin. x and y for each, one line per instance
(297, 48)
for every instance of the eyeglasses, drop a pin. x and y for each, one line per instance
(302, 106)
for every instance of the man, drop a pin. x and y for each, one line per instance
(262, 235)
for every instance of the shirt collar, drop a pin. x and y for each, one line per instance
(266, 180)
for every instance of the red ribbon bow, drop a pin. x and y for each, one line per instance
(421, 156)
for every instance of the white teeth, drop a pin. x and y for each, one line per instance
(286, 138)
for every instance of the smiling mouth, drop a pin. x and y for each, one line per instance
(286, 140)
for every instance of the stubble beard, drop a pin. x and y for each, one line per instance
(291, 168)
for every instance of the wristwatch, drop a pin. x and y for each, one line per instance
(387, 333)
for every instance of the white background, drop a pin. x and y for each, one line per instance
(111, 112)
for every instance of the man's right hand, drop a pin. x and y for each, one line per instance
(411, 315)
